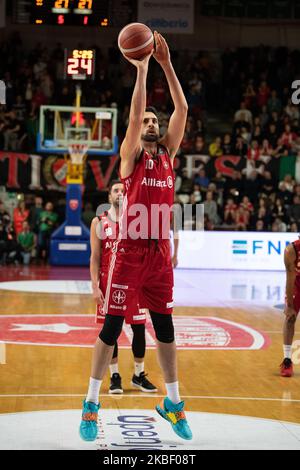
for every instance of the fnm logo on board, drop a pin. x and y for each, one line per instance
(258, 247)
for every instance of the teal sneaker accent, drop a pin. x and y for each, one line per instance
(89, 423)
(176, 416)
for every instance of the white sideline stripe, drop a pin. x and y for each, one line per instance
(155, 395)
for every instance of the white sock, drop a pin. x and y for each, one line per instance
(287, 351)
(173, 392)
(94, 389)
(138, 368)
(114, 369)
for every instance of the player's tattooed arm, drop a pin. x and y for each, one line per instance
(289, 261)
(131, 145)
(176, 128)
(95, 260)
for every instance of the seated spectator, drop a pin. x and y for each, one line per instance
(263, 94)
(4, 215)
(208, 225)
(267, 184)
(47, 224)
(278, 225)
(215, 149)
(240, 148)
(292, 111)
(241, 219)
(260, 227)
(11, 132)
(197, 193)
(272, 135)
(266, 148)
(278, 210)
(243, 115)
(249, 95)
(202, 180)
(187, 183)
(294, 228)
(288, 137)
(20, 215)
(26, 240)
(227, 145)
(199, 146)
(274, 103)
(230, 212)
(294, 210)
(211, 208)
(12, 248)
(264, 117)
(247, 205)
(253, 151)
(257, 134)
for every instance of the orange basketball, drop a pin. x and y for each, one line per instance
(136, 40)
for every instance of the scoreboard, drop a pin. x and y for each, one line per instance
(101, 13)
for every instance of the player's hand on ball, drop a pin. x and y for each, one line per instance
(142, 63)
(162, 53)
(98, 296)
(290, 312)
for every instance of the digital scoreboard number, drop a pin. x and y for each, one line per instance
(70, 12)
(80, 64)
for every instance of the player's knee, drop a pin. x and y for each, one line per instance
(111, 329)
(163, 327)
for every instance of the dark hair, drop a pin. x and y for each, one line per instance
(151, 109)
(112, 183)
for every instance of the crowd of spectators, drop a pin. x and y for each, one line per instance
(249, 89)
(262, 191)
(25, 236)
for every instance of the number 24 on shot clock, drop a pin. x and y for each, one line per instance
(80, 64)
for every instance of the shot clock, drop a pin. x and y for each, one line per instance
(80, 64)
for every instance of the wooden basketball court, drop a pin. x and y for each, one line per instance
(236, 380)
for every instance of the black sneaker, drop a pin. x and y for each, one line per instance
(116, 384)
(142, 383)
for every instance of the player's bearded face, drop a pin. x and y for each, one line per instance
(150, 131)
(116, 196)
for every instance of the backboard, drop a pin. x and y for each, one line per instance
(61, 126)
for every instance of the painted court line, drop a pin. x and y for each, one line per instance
(154, 395)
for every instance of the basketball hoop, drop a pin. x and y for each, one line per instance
(77, 153)
(75, 160)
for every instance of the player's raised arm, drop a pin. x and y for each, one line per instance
(131, 145)
(174, 135)
(95, 261)
(289, 261)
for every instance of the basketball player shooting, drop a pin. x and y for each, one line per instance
(141, 267)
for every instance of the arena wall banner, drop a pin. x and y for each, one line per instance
(261, 251)
(167, 16)
(23, 171)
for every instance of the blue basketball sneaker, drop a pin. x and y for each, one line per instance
(176, 416)
(88, 427)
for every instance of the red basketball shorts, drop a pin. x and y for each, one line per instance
(131, 318)
(140, 276)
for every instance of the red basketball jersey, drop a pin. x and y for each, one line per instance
(109, 231)
(150, 185)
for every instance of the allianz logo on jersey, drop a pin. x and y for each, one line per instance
(168, 183)
(258, 247)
